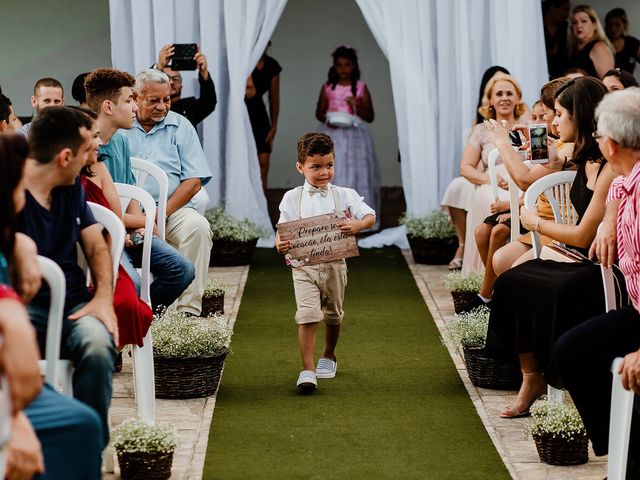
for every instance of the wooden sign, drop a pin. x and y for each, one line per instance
(317, 239)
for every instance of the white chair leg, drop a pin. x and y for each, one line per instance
(143, 379)
(108, 460)
(619, 425)
(555, 395)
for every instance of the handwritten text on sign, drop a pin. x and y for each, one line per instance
(317, 239)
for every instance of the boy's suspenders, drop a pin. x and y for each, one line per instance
(334, 193)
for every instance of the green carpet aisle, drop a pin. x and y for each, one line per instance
(396, 410)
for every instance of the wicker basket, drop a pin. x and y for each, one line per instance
(212, 305)
(192, 377)
(145, 465)
(487, 372)
(561, 451)
(433, 251)
(460, 299)
(228, 253)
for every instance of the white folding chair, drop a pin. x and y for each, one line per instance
(143, 375)
(142, 169)
(619, 425)
(53, 367)
(514, 204)
(556, 186)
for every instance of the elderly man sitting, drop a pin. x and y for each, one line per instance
(168, 140)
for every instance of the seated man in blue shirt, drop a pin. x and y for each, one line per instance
(56, 216)
(168, 140)
(110, 94)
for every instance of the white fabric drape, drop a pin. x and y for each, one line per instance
(437, 52)
(232, 34)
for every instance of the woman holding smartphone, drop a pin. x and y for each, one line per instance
(536, 302)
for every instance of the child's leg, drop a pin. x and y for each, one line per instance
(331, 334)
(307, 340)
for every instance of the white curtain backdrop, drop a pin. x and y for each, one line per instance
(232, 34)
(437, 52)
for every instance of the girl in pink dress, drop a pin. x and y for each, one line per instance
(356, 165)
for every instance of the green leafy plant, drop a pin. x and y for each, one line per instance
(433, 225)
(137, 435)
(463, 282)
(181, 335)
(469, 328)
(214, 287)
(226, 227)
(557, 419)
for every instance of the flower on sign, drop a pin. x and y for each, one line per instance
(295, 263)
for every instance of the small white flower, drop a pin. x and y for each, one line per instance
(469, 328)
(463, 282)
(433, 225)
(137, 435)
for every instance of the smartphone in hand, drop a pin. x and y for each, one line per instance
(183, 54)
(539, 146)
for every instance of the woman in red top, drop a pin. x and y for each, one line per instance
(134, 315)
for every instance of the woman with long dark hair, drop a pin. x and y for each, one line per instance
(536, 302)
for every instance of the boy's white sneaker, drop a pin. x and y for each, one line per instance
(326, 368)
(307, 381)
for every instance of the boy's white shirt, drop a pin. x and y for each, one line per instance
(312, 205)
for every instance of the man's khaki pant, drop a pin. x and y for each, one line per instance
(190, 233)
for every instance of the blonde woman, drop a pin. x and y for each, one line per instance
(590, 49)
(502, 101)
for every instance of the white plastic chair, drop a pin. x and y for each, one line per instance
(142, 169)
(143, 375)
(557, 187)
(5, 422)
(493, 176)
(514, 204)
(619, 425)
(53, 367)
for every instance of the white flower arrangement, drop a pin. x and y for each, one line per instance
(137, 435)
(558, 419)
(180, 335)
(463, 282)
(226, 227)
(469, 328)
(214, 287)
(433, 225)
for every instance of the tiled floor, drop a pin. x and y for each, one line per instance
(193, 417)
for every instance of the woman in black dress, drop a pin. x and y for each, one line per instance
(590, 49)
(627, 48)
(264, 78)
(537, 301)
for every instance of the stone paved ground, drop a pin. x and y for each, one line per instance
(193, 417)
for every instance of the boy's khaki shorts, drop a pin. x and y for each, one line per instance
(319, 292)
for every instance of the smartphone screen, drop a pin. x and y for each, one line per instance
(539, 148)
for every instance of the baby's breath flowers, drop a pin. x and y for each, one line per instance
(433, 225)
(226, 227)
(213, 288)
(137, 435)
(179, 335)
(557, 419)
(463, 282)
(469, 328)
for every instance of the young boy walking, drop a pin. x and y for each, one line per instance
(319, 289)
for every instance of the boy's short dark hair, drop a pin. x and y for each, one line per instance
(314, 144)
(105, 84)
(54, 129)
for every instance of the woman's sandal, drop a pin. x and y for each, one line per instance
(456, 263)
(512, 412)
